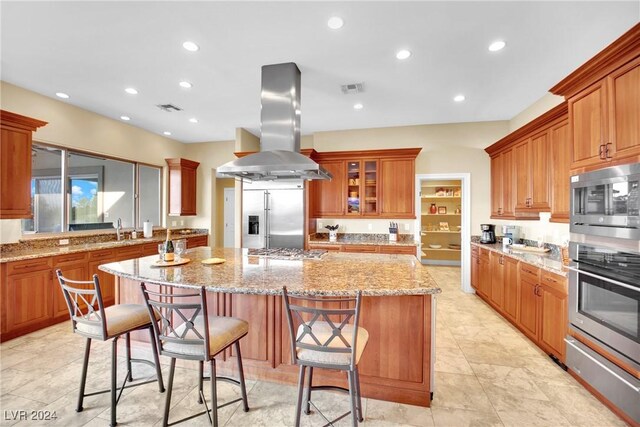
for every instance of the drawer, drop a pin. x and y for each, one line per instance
(533, 273)
(555, 281)
(194, 242)
(69, 259)
(619, 387)
(102, 254)
(29, 265)
(129, 253)
(406, 250)
(331, 248)
(361, 248)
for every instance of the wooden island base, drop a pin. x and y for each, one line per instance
(396, 365)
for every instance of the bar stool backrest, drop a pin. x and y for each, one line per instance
(183, 322)
(318, 313)
(84, 301)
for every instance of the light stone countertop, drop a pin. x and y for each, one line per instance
(546, 262)
(343, 241)
(336, 274)
(33, 253)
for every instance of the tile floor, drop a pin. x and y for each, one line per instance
(487, 374)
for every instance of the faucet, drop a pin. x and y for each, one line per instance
(119, 229)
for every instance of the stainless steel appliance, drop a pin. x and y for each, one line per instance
(273, 214)
(510, 235)
(488, 233)
(606, 202)
(279, 156)
(287, 253)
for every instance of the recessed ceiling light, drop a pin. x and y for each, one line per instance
(403, 54)
(335, 23)
(166, 132)
(459, 98)
(497, 45)
(131, 91)
(185, 84)
(125, 118)
(193, 120)
(190, 46)
(62, 95)
(358, 106)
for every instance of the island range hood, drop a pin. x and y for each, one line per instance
(279, 157)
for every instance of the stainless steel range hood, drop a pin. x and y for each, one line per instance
(279, 156)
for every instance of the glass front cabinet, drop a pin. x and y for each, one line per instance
(362, 187)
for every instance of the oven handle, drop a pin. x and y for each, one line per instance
(603, 366)
(615, 282)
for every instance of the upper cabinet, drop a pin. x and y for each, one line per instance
(522, 176)
(604, 106)
(560, 171)
(375, 183)
(15, 164)
(182, 186)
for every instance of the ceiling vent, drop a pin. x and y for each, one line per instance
(352, 88)
(169, 108)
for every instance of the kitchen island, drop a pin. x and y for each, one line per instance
(397, 309)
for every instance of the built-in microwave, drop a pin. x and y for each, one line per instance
(606, 202)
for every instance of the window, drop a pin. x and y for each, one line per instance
(99, 191)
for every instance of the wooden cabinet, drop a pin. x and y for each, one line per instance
(604, 106)
(475, 264)
(502, 185)
(107, 281)
(484, 274)
(194, 242)
(15, 164)
(74, 267)
(497, 279)
(559, 173)
(372, 183)
(554, 322)
(374, 249)
(327, 247)
(399, 250)
(510, 300)
(182, 187)
(528, 315)
(532, 176)
(28, 301)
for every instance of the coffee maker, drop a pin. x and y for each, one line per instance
(510, 235)
(488, 233)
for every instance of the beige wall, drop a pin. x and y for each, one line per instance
(221, 184)
(541, 106)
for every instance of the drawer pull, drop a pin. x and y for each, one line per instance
(21, 267)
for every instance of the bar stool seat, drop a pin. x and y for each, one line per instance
(224, 331)
(323, 332)
(120, 318)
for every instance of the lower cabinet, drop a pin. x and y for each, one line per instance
(373, 249)
(534, 300)
(74, 267)
(28, 301)
(107, 281)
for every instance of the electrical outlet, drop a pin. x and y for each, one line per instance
(174, 223)
(319, 224)
(406, 227)
(369, 227)
(62, 242)
(182, 222)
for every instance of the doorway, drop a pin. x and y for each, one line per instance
(443, 221)
(229, 217)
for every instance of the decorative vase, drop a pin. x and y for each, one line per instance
(333, 235)
(433, 209)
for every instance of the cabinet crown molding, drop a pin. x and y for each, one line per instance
(7, 118)
(557, 113)
(618, 53)
(409, 153)
(182, 162)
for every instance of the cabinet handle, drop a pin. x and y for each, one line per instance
(601, 151)
(606, 151)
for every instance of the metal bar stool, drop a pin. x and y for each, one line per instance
(183, 333)
(110, 323)
(322, 343)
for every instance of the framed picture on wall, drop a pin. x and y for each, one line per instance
(442, 209)
(444, 226)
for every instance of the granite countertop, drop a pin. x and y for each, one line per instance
(32, 253)
(377, 240)
(336, 274)
(548, 261)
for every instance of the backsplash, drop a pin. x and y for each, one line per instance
(365, 225)
(363, 237)
(554, 249)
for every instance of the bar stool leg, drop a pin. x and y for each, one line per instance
(167, 403)
(307, 399)
(114, 380)
(352, 398)
(128, 345)
(300, 392)
(359, 396)
(156, 360)
(214, 394)
(83, 377)
(243, 387)
(200, 380)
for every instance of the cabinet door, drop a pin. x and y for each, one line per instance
(484, 284)
(15, 173)
(523, 175)
(29, 300)
(587, 122)
(189, 191)
(624, 120)
(369, 188)
(496, 186)
(107, 281)
(497, 279)
(560, 172)
(354, 188)
(329, 196)
(73, 271)
(554, 321)
(539, 196)
(528, 308)
(475, 261)
(510, 305)
(397, 188)
(508, 179)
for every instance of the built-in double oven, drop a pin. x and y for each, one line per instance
(604, 283)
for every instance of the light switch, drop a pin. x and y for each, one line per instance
(406, 227)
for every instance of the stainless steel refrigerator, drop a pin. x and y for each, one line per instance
(273, 214)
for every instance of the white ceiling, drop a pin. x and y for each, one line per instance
(94, 50)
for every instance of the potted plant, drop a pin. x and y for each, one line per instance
(333, 232)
